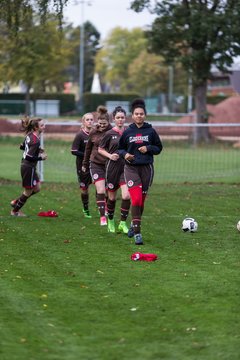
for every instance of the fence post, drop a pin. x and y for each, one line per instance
(41, 163)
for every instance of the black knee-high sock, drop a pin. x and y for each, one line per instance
(101, 204)
(136, 219)
(111, 208)
(85, 201)
(125, 206)
(20, 202)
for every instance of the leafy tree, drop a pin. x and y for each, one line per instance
(91, 47)
(120, 48)
(37, 56)
(198, 34)
(148, 75)
(14, 12)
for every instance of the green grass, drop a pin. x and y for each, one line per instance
(68, 289)
(178, 163)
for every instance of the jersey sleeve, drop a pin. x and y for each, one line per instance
(104, 142)
(156, 147)
(77, 144)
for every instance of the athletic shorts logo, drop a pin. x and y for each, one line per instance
(95, 176)
(110, 186)
(130, 183)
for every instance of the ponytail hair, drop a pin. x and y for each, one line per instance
(138, 103)
(29, 124)
(119, 109)
(102, 113)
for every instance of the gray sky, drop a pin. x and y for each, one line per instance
(106, 14)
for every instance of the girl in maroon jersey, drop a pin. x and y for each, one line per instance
(108, 147)
(138, 145)
(78, 148)
(96, 162)
(31, 155)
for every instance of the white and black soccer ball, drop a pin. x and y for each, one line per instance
(238, 225)
(189, 225)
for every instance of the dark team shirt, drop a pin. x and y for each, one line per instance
(133, 138)
(31, 146)
(79, 145)
(91, 151)
(109, 142)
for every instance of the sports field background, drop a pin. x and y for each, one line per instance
(69, 290)
(179, 162)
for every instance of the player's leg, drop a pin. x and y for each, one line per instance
(125, 206)
(134, 184)
(84, 180)
(111, 204)
(100, 188)
(31, 185)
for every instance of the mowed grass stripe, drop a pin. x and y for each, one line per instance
(69, 289)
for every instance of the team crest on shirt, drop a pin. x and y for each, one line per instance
(130, 183)
(95, 176)
(139, 139)
(82, 184)
(110, 186)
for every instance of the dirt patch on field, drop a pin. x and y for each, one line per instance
(225, 112)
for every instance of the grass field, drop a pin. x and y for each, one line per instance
(178, 163)
(70, 291)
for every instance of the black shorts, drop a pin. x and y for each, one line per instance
(30, 176)
(97, 172)
(139, 175)
(114, 175)
(84, 179)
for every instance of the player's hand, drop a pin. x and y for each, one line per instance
(142, 149)
(43, 156)
(114, 157)
(84, 169)
(129, 157)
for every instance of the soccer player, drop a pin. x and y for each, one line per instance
(108, 147)
(137, 145)
(78, 148)
(96, 162)
(31, 155)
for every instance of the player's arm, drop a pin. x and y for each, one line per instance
(87, 154)
(76, 145)
(156, 147)
(103, 146)
(31, 153)
(122, 149)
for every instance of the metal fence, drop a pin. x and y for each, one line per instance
(182, 159)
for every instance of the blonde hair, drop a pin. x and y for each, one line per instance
(85, 115)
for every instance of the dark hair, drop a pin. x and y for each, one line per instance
(102, 113)
(118, 109)
(138, 103)
(29, 124)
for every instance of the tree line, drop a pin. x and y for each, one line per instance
(191, 36)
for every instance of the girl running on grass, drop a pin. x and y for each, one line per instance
(108, 147)
(78, 148)
(137, 145)
(96, 162)
(31, 155)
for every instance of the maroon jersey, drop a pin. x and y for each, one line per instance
(78, 147)
(91, 151)
(109, 142)
(114, 169)
(31, 150)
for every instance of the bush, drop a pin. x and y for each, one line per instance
(92, 101)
